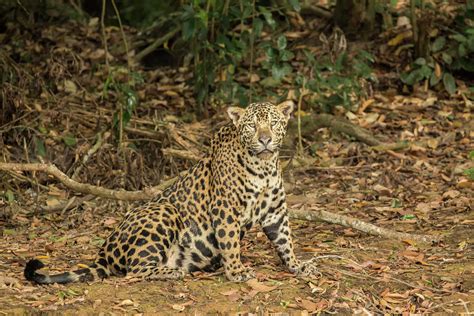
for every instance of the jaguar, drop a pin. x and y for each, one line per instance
(197, 223)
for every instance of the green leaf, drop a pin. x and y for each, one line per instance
(271, 53)
(408, 78)
(257, 27)
(420, 61)
(470, 173)
(188, 29)
(434, 79)
(449, 83)
(278, 72)
(408, 216)
(69, 140)
(10, 196)
(9, 232)
(425, 72)
(462, 51)
(471, 155)
(366, 55)
(281, 42)
(438, 44)
(40, 148)
(447, 58)
(470, 43)
(467, 64)
(268, 17)
(97, 241)
(396, 203)
(286, 55)
(269, 82)
(459, 37)
(295, 4)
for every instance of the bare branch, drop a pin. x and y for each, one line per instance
(313, 214)
(310, 215)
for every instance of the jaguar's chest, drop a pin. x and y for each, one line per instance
(257, 199)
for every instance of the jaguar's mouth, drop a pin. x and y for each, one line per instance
(265, 153)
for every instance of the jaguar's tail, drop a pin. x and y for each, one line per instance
(97, 270)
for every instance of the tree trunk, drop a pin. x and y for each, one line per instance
(355, 17)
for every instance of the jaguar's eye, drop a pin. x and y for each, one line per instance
(274, 123)
(251, 127)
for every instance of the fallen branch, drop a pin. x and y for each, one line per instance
(316, 10)
(157, 43)
(346, 127)
(392, 146)
(309, 215)
(314, 214)
(50, 169)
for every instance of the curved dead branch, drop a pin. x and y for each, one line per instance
(148, 193)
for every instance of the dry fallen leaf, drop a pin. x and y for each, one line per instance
(181, 307)
(178, 307)
(451, 194)
(127, 302)
(259, 286)
(8, 281)
(308, 305)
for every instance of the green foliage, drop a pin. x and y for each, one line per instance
(339, 82)
(126, 94)
(450, 53)
(218, 49)
(423, 70)
(277, 61)
(144, 13)
(69, 140)
(470, 172)
(9, 196)
(40, 148)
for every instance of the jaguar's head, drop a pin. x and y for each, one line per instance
(262, 126)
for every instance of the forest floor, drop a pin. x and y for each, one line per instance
(420, 189)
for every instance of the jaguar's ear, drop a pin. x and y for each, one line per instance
(286, 108)
(235, 113)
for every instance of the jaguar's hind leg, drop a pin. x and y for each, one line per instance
(152, 271)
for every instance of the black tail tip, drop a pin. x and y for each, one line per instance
(31, 267)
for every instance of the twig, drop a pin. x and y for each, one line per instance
(129, 64)
(67, 205)
(104, 37)
(317, 215)
(23, 178)
(157, 43)
(392, 146)
(90, 152)
(300, 100)
(317, 11)
(252, 43)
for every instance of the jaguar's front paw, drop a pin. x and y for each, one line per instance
(307, 268)
(241, 274)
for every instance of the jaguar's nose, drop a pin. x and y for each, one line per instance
(265, 139)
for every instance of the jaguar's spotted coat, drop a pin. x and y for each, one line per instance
(197, 223)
